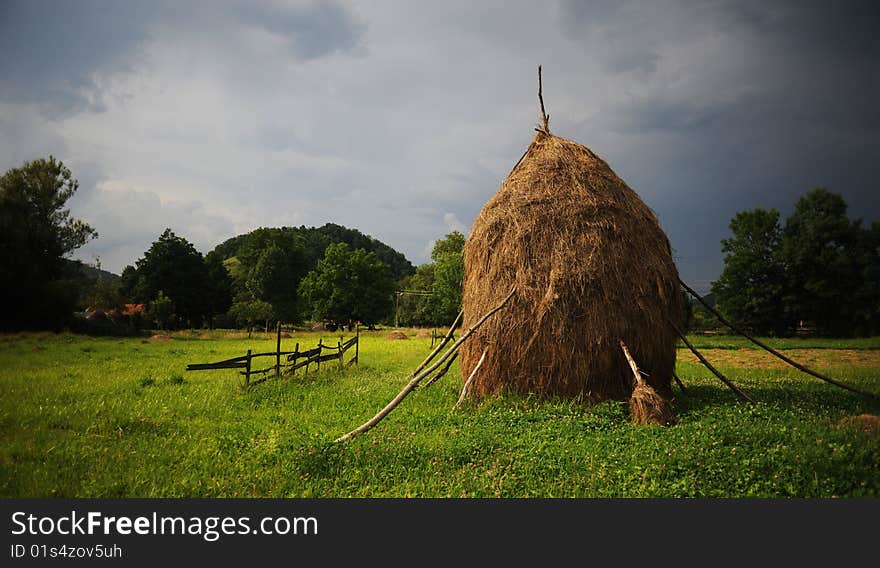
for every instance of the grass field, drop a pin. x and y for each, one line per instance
(111, 417)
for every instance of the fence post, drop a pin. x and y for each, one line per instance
(320, 352)
(278, 351)
(339, 346)
(357, 342)
(295, 357)
(247, 370)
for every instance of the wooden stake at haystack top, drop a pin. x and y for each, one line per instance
(591, 266)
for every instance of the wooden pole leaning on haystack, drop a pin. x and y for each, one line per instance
(442, 372)
(774, 352)
(470, 379)
(645, 405)
(426, 372)
(446, 339)
(678, 381)
(709, 366)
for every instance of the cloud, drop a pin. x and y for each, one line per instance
(50, 50)
(453, 223)
(125, 219)
(310, 30)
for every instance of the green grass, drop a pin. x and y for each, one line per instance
(111, 417)
(738, 342)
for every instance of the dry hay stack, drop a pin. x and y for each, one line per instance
(396, 334)
(591, 267)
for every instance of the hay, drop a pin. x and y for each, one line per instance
(648, 407)
(591, 266)
(645, 405)
(160, 337)
(424, 333)
(396, 334)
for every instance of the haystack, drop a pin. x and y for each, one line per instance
(592, 268)
(397, 334)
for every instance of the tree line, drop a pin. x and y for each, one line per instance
(818, 271)
(332, 274)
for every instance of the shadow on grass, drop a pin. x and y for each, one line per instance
(700, 399)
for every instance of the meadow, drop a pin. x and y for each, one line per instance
(120, 417)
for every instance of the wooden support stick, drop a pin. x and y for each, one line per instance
(449, 335)
(442, 372)
(415, 380)
(709, 366)
(772, 351)
(470, 379)
(632, 364)
(680, 384)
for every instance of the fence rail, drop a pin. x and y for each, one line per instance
(437, 337)
(296, 359)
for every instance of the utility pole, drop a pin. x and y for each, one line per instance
(400, 293)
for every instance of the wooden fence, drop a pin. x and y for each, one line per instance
(438, 337)
(294, 360)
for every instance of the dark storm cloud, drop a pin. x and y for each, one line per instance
(311, 31)
(50, 51)
(786, 104)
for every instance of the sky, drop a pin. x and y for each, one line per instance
(401, 119)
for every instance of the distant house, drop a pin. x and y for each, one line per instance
(132, 309)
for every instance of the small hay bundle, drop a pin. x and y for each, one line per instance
(397, 334)
(592, 268)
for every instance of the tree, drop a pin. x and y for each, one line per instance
(275, 277)
(173, 265)
(248, 313)
(448, 276)
(441, 280)
(347, 286)
(103, 293)
(821, 269)
(866, 320)
(268, 266)
(418, 309)
(161, 310)
(38, 232)
(452, 243)
(819, 249)
(448, 257)
(752, 288)
(219, 298)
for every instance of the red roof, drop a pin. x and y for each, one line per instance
(131, 309)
